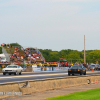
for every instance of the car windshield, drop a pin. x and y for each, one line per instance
(11, 66)
(92, 66)
(76, 66)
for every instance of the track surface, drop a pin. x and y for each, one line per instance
(38, 75)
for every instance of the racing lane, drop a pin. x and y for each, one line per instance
(39, 75)
(34, 73)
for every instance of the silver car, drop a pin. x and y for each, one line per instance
(93, 67)
(12, 69)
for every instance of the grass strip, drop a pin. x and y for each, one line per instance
(93, 94)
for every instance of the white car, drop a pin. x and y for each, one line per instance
(12, 69)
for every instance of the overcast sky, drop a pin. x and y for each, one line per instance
(51, 24)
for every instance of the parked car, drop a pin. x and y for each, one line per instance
(99, 67)
(12, 69)
(77, 69)
(93, 67)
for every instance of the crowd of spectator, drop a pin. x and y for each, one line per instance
(15, 57)
(31, 55)
(6, 45)
(63, 64)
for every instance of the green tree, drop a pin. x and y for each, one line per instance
(0, 50)
(16, 44)
(71, 55)
(93, 56)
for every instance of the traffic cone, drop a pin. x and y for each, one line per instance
(96, 81)
(92, 70)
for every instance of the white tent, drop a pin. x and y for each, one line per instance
(2, 55)
(3, 58)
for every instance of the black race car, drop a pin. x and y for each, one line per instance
(77, 69)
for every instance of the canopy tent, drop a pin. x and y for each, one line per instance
(2, 55)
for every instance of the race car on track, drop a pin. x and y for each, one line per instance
(12, 69)
(77, 69)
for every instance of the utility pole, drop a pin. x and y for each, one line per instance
(84, 50)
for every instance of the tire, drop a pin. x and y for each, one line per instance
(15, 73)
(9, 73)
(80, 73)
(4, 73)
(20, 73)
(68, 74)
(85, 73)
(73, 74)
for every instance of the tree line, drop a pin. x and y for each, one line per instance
(72, 56)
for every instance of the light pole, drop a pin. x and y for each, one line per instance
(84, 50)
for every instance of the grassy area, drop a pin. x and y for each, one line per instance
(93, 94)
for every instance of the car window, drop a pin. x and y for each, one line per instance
(76, 66)
(11, 66)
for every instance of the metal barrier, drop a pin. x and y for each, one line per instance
(40, 54)
(49, 69)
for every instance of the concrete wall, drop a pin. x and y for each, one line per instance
(48, 84)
